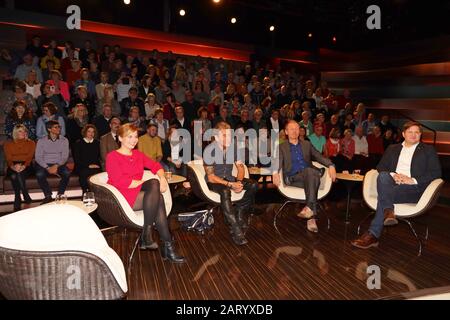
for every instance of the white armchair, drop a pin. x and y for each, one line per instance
(403, 211)
(297, 195)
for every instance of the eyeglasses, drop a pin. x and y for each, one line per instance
(58, 126)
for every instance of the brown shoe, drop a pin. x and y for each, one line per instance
(311, 225)
(306, 213)
(366, 241)
(389, 217)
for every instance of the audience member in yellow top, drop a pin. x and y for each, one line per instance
(150, 143)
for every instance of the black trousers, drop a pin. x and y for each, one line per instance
(308, 179)
(84, 174)
(18, 182)
(250, 186)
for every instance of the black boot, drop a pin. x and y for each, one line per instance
(236, 232)
(168, 253)
(242, 218)
(238, 236)
(146, 239)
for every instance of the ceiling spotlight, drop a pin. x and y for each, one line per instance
(216, 1)
(233, 20)
(182, 12)
(127, 1)
(310, 35)
(272, 28)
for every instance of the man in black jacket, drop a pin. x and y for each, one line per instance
(295, 160)
(405, 171)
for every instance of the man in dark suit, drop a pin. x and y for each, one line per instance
(110, 141)
(405, 171)
(131, 101)
(180, 120)
(274, 122)
(295, 159)
(101, 122)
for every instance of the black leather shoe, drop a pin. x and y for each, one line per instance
(27, 199)
(168, 253)
(46, 200)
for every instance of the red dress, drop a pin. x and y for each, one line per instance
(123, 169)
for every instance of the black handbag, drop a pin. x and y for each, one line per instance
(198, 221)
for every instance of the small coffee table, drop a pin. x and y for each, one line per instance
(77, 203)
(350, 180)
(176, 179)
(260, 172)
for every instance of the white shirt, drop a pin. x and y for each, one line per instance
(161, 130)
(404, 160)
(275, 123)
(88, 141)
(361, 145)
(181, 121)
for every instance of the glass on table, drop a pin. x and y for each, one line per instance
(168, 175)
(88, 199)
(356, 172)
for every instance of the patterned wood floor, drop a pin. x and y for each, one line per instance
(294, 264)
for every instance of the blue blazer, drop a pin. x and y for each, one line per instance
(425, 165)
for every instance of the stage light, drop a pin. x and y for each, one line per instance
(182, 12)
(127, 1)
(272, 28)
(233, 20)
(334, 39)
(310, 35)
(216, 1)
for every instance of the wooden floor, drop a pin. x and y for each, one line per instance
(294, 264)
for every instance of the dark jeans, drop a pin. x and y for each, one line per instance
(308, 179)
(42, 173)
(389, 193)
(84, 174)
(18, 182)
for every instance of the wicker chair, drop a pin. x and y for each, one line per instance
(57, 252)
(297, 195)
(114, 209)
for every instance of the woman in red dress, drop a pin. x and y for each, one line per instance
(125, 168)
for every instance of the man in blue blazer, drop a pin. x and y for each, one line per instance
(405, 171)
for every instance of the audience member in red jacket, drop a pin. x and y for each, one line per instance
(376, 146)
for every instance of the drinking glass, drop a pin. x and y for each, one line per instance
(168, 175)
(88, 199)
